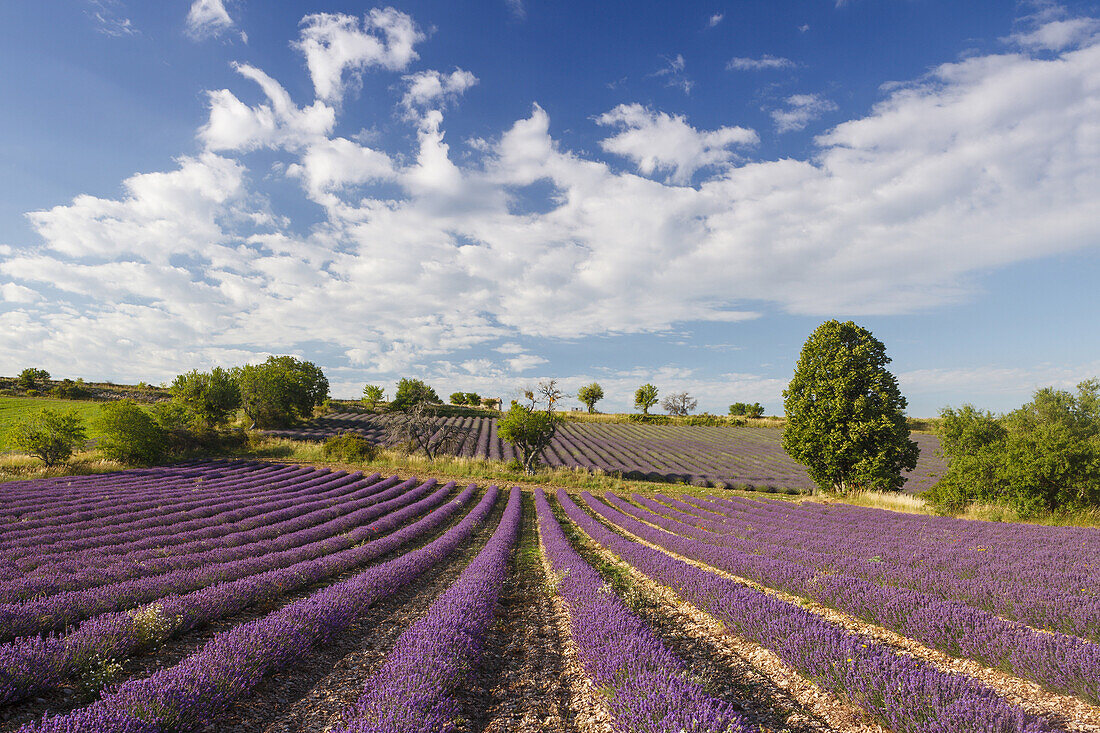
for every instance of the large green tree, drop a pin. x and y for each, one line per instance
(413, 391)
(845, 413)
(281, 390)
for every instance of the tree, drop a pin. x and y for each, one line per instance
(49, 435)
(412, 391)
(473, 399)
(589, 395)
(32, 378)
(210, 396)
(281, 390)
(372, 395)
(130, 434)
(529, 431)
(645, 397)
(458, 398)
(845, 413)
(679, 403)
(1042, 457)
(547, 391)
(746, 410)
(418, 427)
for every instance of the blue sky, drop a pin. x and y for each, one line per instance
(485, 194)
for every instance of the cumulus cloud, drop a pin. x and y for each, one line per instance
(338, 48)
(209, 19)
(432, 88)
(800, 110)
(981, 163)
(767, 61)
(657, 141)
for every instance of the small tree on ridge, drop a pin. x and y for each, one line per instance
(589, 395)
(645, 397)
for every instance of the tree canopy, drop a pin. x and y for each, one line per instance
(530, 430)
(49, 435)
(281, 390)
(412, 391)
(589, 395)
(645, 397)
(1044, 456)
(845, 412)
(210, 396)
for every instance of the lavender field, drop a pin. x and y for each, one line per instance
(721, 457)
(247, 596)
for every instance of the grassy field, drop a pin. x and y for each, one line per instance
(15, 409)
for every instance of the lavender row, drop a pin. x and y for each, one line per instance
(650, 689)
(1057, 594)
(412, 690)
(34, 664)
(111, 505)
(58, 611)
(284, 529)
(1059, 662)
(202, 513)
(191, 695)
(904, 693)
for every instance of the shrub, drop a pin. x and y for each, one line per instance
(67, 389)
(350, 447)
(1043, 457)
(708, 420)
(649, 419)
(51, 436)
(130, 434)
(32, 379)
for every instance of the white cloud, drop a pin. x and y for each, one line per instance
(800, 111)
(673, 74)
(1056, 35)
(988, 161)
(715, 20)
(109, 20)
(657, 141)
(519, 10)
(234, 126)
(12, 293)
(209, 19)
(338, 49)
(428, 88)
(767, 61)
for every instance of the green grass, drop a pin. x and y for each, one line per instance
(16, 409)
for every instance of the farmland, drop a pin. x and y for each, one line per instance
(722, 457)
(250, 597)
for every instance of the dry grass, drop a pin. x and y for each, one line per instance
(907, 503)
(15, 467)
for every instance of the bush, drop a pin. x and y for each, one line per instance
(350, 448)
(1040, 458)
(130, 434)
(649, 419)
(67, 389)
(49, 435)
(32, 379)
(708, 420)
